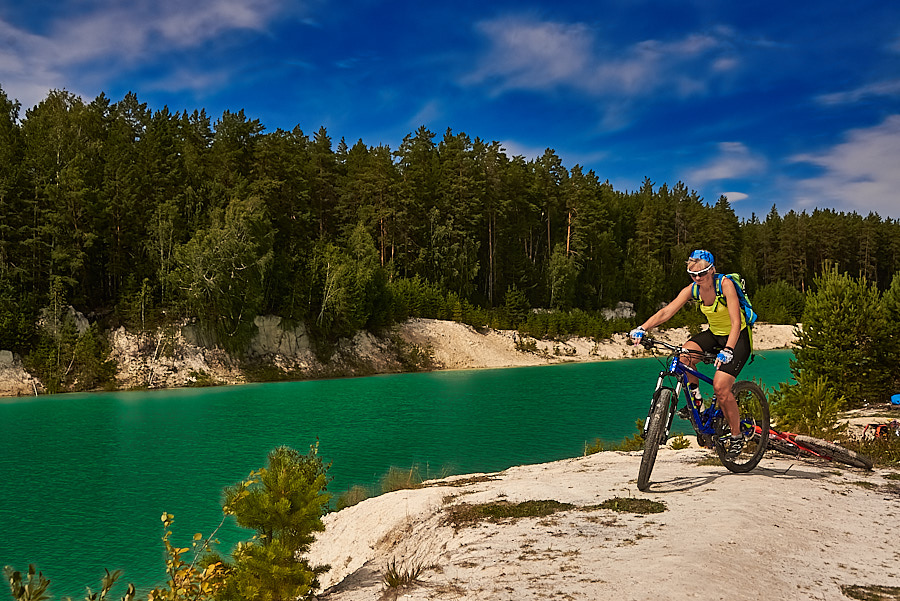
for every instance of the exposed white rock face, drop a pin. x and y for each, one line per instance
(273, 339)
(14, 380)
(623, 310)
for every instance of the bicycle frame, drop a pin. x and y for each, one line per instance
(789, 438)
(702, 422)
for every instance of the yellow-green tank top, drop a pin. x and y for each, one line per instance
(718, 318)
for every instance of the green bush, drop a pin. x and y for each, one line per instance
(63, 360)
(284, 503)
(16, 320)
(635, 442)
(516, 307)
(811, 406)
(844, 337)
(559, 325)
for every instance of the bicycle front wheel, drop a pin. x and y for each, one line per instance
(656, 429)
(754, 412)
(836, 452)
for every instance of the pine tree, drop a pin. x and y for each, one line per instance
(284, 504)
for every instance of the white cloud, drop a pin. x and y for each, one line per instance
(889, 87)
(734, 197)
(542, 56)
(859, 174)
(514, 149)
(533, 55)
(429, 112)
(115, 36)
(734, 160)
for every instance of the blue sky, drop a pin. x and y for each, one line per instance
(795, 104)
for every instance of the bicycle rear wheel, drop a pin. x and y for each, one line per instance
(754, 412)
(836, 452)
(656, 428)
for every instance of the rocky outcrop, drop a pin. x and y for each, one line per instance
(169, 358)
(183, 356)
(14, 380)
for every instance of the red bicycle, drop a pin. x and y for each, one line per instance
(887, 430)
(800, 445)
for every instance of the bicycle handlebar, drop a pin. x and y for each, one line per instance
(649, 343)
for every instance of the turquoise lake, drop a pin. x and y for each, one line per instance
(85, 477)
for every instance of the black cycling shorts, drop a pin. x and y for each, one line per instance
(709, 342)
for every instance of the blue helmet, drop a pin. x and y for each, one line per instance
(703, 255)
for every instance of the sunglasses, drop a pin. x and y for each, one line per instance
(697, 274)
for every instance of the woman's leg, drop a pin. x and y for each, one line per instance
(723, 384)
(690, 359)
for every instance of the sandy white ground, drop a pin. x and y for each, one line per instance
(787, 530)
(458, 346)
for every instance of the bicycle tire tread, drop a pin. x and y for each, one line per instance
(836, 452)
(654, 433)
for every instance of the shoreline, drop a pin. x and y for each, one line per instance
(435, 344)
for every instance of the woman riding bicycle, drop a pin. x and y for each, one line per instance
(727, 333)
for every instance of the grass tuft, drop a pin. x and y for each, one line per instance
(397, 479)
(395, 577)
(631, 505)
(466, 514)
(356, 494)
(680, 442)
(872, 592)
(864, 484)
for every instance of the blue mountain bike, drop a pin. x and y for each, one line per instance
(709, 423)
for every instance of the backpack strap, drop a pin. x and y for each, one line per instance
(719, 278)
(695, 289)
(720, 296)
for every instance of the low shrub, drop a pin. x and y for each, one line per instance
(635, 442)
(397, 479)
(810, 406)
(884, 451)
(356, 494)
(680, 442)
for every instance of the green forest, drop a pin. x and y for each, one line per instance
(137, 217)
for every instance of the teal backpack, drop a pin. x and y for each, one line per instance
(750, 315)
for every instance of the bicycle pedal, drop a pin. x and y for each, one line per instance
(684, 412)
